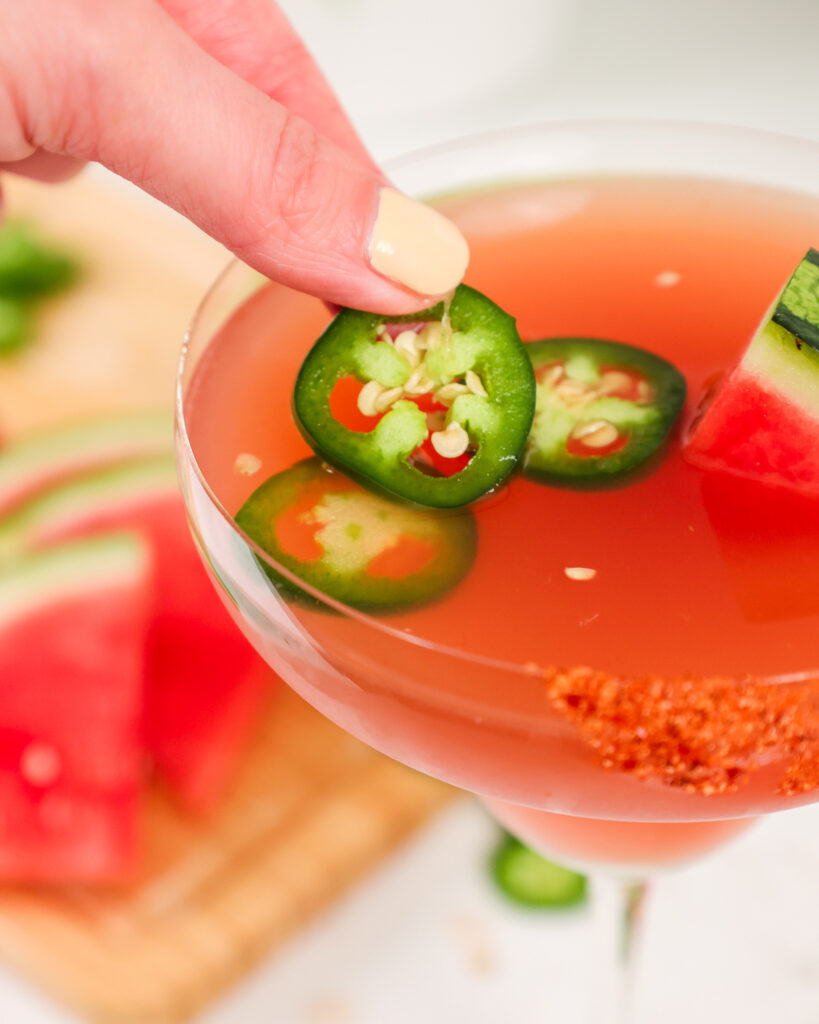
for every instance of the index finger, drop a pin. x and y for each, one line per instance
(256, 41)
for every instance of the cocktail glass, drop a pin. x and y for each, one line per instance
(513, 732)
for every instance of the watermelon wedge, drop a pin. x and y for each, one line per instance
(56, 453)
(763, 421)
(72, 638)
(204, 683)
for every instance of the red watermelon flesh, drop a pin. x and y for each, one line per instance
(72, 636)
(754, 429)
(204, 682)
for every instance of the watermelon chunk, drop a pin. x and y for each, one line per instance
(204, 682)
(56, 453)
(763, 422)
(72, 638)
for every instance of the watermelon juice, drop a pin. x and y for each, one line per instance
(671, 687)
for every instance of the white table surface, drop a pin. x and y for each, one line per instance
(735, 937)
(426, 938)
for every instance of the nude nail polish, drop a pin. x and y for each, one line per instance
(416, 246)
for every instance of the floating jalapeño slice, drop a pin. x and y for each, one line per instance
(355, 546)
(603, 408)
(439, 391)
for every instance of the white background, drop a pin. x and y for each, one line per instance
(735, 938)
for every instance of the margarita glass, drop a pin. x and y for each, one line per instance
(643, 710)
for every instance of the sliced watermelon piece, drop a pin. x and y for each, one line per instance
(72, 636)
(204, 681)
(763, 421)
(56, 453)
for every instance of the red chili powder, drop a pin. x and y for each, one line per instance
(700, 735)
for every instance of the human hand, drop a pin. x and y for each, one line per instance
(216, 108)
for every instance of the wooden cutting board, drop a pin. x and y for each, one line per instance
(310, 809)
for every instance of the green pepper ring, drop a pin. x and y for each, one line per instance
(644, 440)
(454, 537)
(532, 881)
(499, 357)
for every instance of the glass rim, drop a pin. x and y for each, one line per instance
(432, 151)
(681, 126)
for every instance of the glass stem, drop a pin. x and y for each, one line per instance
(618, 906)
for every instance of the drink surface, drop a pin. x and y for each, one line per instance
(693, 573)
(684, 269)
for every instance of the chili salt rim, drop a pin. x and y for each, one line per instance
(701, 735)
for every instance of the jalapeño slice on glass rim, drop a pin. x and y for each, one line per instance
(357, 547)
(603, 408)
(447, 396)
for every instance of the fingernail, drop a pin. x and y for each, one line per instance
(416, 246)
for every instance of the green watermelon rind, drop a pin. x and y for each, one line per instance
(71, 570)
(798, 307)
(100, 490)
(57, 452)
(793, 371)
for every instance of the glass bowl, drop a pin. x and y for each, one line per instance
(489, 729)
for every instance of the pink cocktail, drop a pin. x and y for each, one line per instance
(632, 715)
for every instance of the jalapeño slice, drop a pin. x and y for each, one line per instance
(355, 546)
(447, 398)
(603, 408)
(525, 877)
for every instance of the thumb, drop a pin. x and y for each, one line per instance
(282, 197)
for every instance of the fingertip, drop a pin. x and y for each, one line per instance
(414, 245)
(367, 291)
(333, 228)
